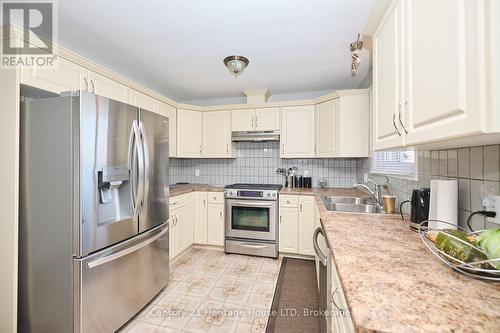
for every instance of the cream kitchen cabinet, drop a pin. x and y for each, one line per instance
(142, 101)
(171, 113)
(260, 119)
(306, 224)
(422, 96)
(388, 79)
(178, 221)
(297, 131)
(66, 76)
(190, 207)
(200, 217)
(289, 230)
(243, 120)
(217, 134)
(189, 133)
(215, 224)
(101, 85)
(297, 223)
(327, 128)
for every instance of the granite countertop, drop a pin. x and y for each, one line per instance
(392, 282)
(346, 192)
(176, 190)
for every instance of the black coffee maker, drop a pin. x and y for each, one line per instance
(420, 198)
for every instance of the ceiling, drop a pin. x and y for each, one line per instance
(176, 47)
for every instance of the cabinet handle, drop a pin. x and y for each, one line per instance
(394, 123)
(315, 147)
(86, 84)
(283, 148)
(220, 213)
(93, 86)
(227, 149)
(204, 202)
(281, 220)
(201, 149)
(256, 121)
(300, 207)
(401, 122)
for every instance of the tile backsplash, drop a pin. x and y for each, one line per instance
(473, 167)
(257, 162)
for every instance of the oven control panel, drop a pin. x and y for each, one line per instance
(251, 194)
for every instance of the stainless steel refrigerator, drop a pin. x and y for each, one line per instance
(93, 238)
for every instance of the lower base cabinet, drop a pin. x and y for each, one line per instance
(196, 218)
(296, 224)
(215, 224)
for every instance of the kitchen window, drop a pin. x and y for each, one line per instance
(399, 163)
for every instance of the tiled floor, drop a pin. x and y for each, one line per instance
(210, 291)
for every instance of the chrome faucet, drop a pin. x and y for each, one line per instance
(376, 194)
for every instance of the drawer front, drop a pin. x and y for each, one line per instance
(289, 200)
(215, 197)
(177, 202)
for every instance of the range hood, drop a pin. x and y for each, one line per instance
(256, 136)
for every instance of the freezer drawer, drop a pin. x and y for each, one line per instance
(113, 285)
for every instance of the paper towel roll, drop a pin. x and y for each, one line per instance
(443, 204)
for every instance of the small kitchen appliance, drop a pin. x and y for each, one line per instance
(251, 225)
(420, 199)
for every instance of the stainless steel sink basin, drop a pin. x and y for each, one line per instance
(351, 204)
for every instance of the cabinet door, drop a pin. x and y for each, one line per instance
(387, 79)
(200, 218)
(327, 129)
(189, 135)
(215, 235)
(217, 134)
(445, 89)
(180, 226)
(171, 113)
(190, 216)
(243, 120)
(297, 131)
(306, 224)
(289, 230)
(172, 237)
(142, 101)
(267, 119)
(66, 76)
(103, 86)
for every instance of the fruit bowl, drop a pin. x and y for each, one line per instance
(482, 269)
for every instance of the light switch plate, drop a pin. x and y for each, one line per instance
(197, 172)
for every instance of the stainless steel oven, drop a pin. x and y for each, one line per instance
(251, 219)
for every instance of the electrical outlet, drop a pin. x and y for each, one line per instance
(197, 172)
(365, 177)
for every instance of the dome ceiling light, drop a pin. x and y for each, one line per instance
(236, 64)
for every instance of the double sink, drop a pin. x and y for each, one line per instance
(351, 204)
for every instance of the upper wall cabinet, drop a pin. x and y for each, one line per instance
(342, 125)
(217, 134)
(297, 131)
(66, 76)
(103, 86)
(432, 86)
(142, 101)
(189, 133)
(171, 113)
(261, 119)
(387, 79)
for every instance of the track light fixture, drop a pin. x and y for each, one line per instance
(355, 49)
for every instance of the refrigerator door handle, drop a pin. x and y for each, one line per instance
(132, 152)
(101, 261)
(140, 160)
(144, 139)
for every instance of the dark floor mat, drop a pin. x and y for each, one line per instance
(296, 290)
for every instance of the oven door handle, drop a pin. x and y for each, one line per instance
(249, 203)
(252, 246)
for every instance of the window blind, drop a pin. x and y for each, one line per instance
(395, 162)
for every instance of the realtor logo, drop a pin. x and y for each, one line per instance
(32, 45)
